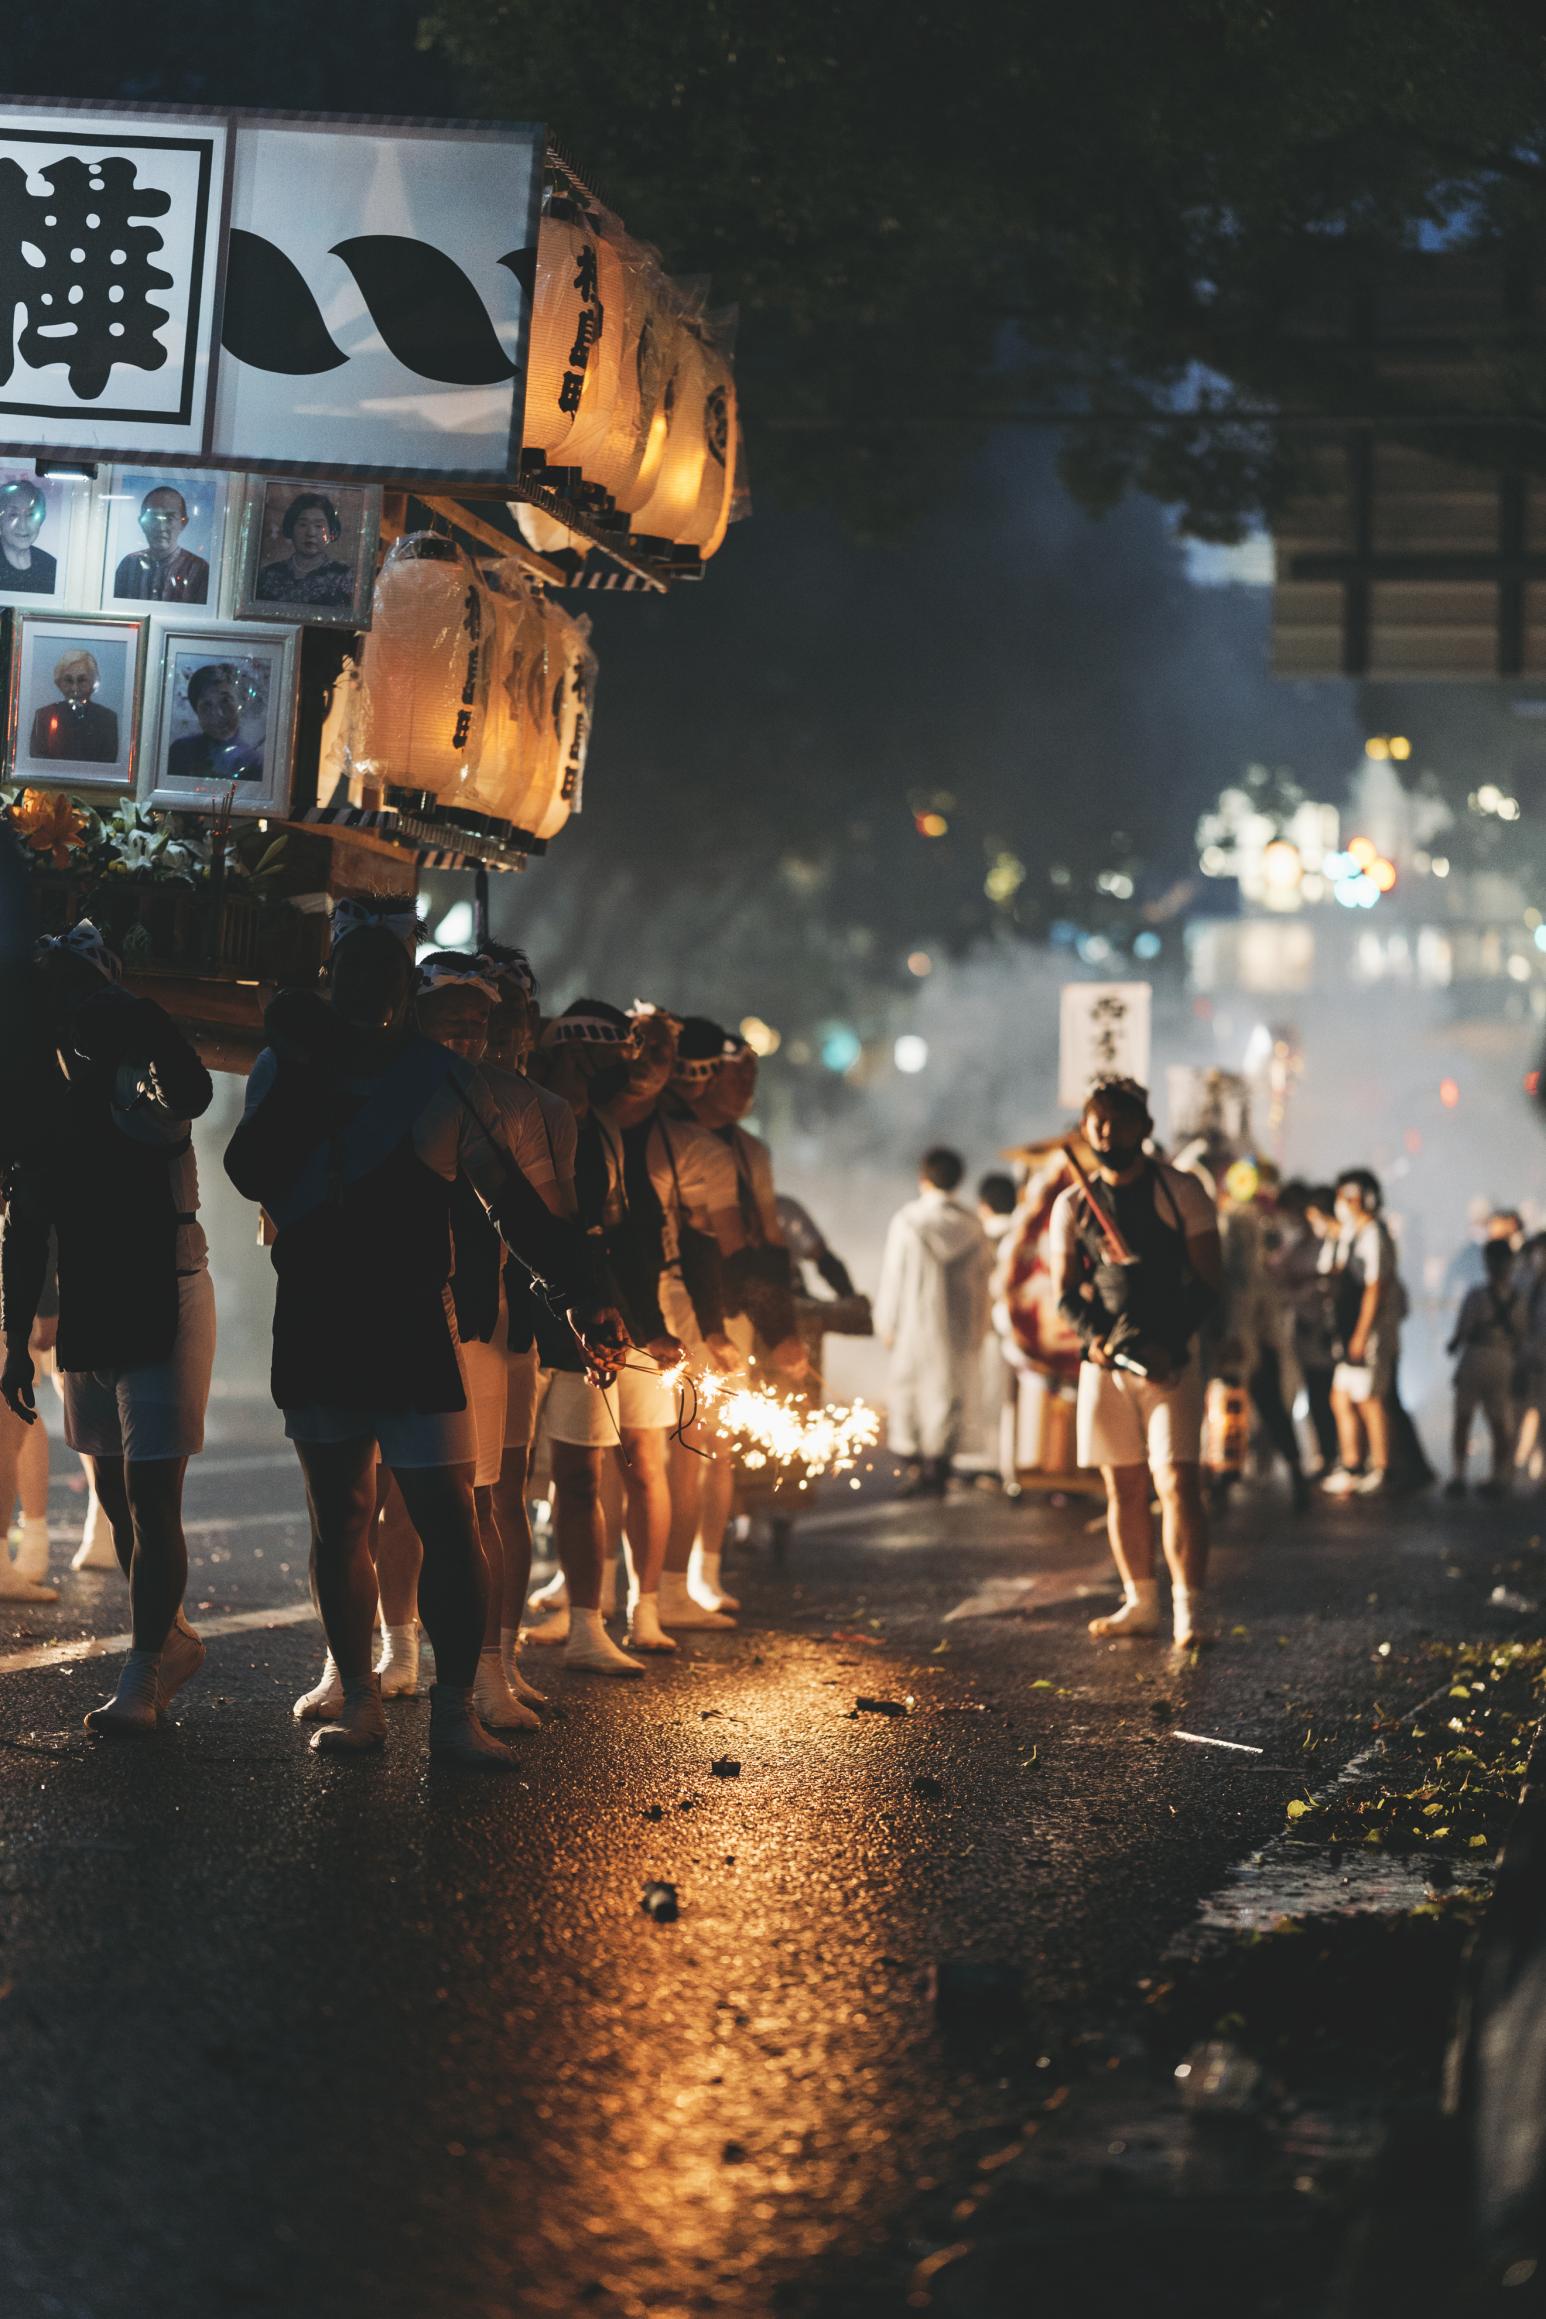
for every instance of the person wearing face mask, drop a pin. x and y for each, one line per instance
(1369, 1305)
(1136, 1258)
(586, 1055)
(455, 1005)
(356, 1129)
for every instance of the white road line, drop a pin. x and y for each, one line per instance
(1201, 1739)
(236, 1622)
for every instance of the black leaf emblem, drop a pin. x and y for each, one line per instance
(523, 265)
(272, 321)
(426, 309)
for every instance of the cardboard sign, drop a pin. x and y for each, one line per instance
(1104, 1030)
(311, 295)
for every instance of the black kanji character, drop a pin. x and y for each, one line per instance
(82, 268)
(586, 332)
(585, 271)
(570, 388)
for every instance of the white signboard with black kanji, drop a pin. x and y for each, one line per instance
(322, 296)
(109, 244)
(1104, 1029)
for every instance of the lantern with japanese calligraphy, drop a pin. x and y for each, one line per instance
(672, 503)
(623, 458)
(705, 529)
(572, 378)
(511, 756)
(423, 673)
(573, 671)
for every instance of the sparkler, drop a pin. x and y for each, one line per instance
(773, 1432)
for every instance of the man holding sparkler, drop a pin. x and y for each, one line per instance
(1135, 1254)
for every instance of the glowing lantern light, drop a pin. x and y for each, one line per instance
(571, 698)
(672, 504)
(424, 672)
(1378, 748)
(512, 762)
(623, 457)
(931, 824)
(1400, 747)
(545, 533)
(1449, 1093)
(710, 519)
(1363, 851)
(1381, 874)
(760, 1036)
(572, 378)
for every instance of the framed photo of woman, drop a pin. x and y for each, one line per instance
(74, 698)
(224, 724)
(40, 516)
(308, 552)
(162, 539)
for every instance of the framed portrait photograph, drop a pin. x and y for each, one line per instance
(224, 722)
(74, 700)
(308, 552)
(163, 539)
(39, 518)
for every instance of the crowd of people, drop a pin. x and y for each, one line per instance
(478, 1217)
(492, 1228)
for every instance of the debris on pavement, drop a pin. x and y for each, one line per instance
(725, 1767)
(1204, 1739)
(660, 1903)
(883, 1706)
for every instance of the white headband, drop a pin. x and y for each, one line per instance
(396, 917)
(442, 974)
(85, 941)
(590, 1031)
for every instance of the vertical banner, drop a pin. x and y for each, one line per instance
(1104, 1030)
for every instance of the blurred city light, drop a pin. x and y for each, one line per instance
(910, 1052)
(760, 1036)
(841, 1047)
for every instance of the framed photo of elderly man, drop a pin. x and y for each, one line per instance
(308, 552)
(224, 723)
(73, 700)
(163, 539)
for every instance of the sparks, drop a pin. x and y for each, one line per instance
(774, 1432)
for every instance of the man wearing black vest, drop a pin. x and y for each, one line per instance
(1135, 1257)
(107, 1165)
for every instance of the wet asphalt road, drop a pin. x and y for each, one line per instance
(283, 2036)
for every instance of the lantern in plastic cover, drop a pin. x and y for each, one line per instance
(576, 330)
(514, 758)
(710, 519)
(672, 504)
(571, 702)
(424, 671)
(623, 459)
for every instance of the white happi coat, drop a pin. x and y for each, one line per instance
(933, 1306)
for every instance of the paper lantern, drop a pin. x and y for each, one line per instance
(576, 352)
(623, 458)
(514, 756)
(710, 519)
(572, 703)
(672, 504)
(424, 672)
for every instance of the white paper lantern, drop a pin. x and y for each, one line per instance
(572, 703)
(424, 672)
(710, 519)
(576, 331)
(623, 459)
(673, 501)
(512, 757)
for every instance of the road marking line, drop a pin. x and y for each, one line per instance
(236, 1622)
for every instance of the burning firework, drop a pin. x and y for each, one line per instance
(773, 1432)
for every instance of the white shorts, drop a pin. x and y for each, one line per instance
(156, 1411)
(523, 1372)
(1120, 1419)
(484, 1368)
(578, 1412)
(645, 1402)
(405, 1437)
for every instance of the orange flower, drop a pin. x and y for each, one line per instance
(51, 824)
